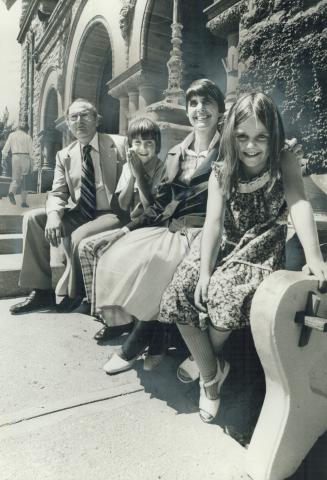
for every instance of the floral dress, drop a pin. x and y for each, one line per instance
(252, 247)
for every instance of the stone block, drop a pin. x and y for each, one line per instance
(294, 413)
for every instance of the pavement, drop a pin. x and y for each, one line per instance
(63, 418)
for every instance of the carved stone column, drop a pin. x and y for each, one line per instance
(174, 92)
(123, 114)
(133, 102)
(170, 113)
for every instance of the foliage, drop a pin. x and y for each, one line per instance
(283, 44)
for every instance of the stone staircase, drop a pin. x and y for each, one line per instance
(11, 247)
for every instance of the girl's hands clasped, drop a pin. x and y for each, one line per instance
(135, 164)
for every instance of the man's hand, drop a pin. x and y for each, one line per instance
(53, 229)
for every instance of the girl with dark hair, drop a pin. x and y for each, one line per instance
(243, 239)
(140, 176)
(135, 271)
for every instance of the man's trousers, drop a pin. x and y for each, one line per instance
(36, 270)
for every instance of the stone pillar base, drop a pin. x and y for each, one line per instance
(4, 185)
(45, 179)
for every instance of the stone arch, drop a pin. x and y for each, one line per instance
(89, 63)
(50, 83)
(93, 70)
(51, 140)
(50, 137)
(202, 51)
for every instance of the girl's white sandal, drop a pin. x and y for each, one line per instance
(208, 409)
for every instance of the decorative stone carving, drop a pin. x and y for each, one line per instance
(25, 5)
(231, 67)
(126, 17)
(174, 92)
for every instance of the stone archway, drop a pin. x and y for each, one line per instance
(92, 71)
(52, 138)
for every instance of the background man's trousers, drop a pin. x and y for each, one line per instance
(36, 270)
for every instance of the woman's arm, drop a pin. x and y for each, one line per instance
(211, 239)
(302, 216)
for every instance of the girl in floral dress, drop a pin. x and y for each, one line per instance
(243, 239)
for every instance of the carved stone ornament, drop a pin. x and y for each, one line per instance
(126, 17)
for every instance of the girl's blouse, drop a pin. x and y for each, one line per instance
(253, 206)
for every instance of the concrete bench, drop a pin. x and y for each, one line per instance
(288, 323)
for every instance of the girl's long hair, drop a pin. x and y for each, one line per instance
(263, 108)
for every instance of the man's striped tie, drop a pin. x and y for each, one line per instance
(87, 202)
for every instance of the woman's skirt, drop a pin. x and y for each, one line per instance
(135, 271)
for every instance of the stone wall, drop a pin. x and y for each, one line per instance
(35, 66)
(283, 45)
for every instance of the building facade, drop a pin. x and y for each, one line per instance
(115, 53)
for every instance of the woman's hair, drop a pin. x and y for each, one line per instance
(263, 108)
(146, 129)
(206, 88)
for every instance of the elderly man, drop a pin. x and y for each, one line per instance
(20, 144)
(81, 203)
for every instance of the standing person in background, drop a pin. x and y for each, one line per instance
(20, 144)
(80, 204)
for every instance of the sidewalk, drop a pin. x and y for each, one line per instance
(63, 418)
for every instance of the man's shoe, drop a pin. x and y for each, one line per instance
(67, 305)
(84, 308)
(24, 205)
(11, 198)
(109, 333)
(36, 300)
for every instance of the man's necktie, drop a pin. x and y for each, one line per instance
(87, 202)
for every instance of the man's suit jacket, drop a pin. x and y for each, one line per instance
(66, 187)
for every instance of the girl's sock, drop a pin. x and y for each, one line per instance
(199, 344)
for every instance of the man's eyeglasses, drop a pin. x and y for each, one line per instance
(82, 115)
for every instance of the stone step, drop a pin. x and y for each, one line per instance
(11, 243)
(11, 223)
(10, 266)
